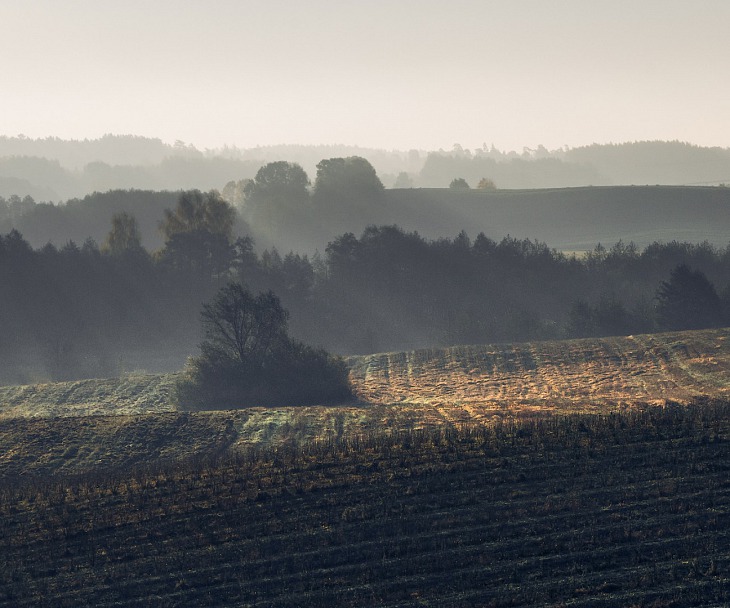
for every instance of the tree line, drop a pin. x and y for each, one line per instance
(88, 309)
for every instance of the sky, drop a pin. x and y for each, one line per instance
(392, 74)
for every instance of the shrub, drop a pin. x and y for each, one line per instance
(247, 359)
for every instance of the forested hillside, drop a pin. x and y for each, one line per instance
(116, 281)
(574, 219)
(53, 169)
(92, 311)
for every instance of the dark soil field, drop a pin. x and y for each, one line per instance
(629, 509)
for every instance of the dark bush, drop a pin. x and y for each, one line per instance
(247, 359)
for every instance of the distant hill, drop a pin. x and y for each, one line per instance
(568, 218)
(56, 169)
(630, 163)
(655, 162)
(53, 169)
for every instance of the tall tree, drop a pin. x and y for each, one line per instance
(198, 210)
(347, 193)
(243, 327)
(347, 179)
(688, 300)
(124, 235)
(459, 183)
(276, 197)
(198, 234)
(248, 359)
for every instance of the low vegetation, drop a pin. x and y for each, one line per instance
(628, 509)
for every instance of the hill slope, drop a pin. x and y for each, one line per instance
(75, 427)
(567, 218)
(559, 376)
(403, 501)
(627, 510)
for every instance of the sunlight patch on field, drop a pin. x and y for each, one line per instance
(550, 377)
(74, 426)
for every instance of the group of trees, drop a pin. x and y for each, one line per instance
(86, 309)
(54, 169)
(283, 205)
(547, 172)
(459, 183)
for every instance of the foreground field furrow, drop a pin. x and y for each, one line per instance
(605, 595)
(148, 566)
(381, 577)
(675, 487)
(456, 581)
(504, 534)
(532, 480)
(520, 539)
(499, 568)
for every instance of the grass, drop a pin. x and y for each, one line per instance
(132, 394)
(590, 375)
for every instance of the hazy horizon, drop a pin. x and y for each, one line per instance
(397, 76)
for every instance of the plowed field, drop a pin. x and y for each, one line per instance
(73, 427)
(572, 376)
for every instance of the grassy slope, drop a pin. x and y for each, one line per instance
(567, 218)
(589, 375)
(140, 394)
(78, 426)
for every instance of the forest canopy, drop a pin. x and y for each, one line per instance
(82, 310)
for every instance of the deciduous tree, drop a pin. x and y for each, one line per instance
(248, 359)
(124, 235)
(459, 183)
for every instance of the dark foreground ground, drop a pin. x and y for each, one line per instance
(625, 509)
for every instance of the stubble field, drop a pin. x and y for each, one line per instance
(74, 427)
(586, 473)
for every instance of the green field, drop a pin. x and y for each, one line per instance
(568, 219)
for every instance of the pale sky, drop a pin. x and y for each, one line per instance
(395, 74)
